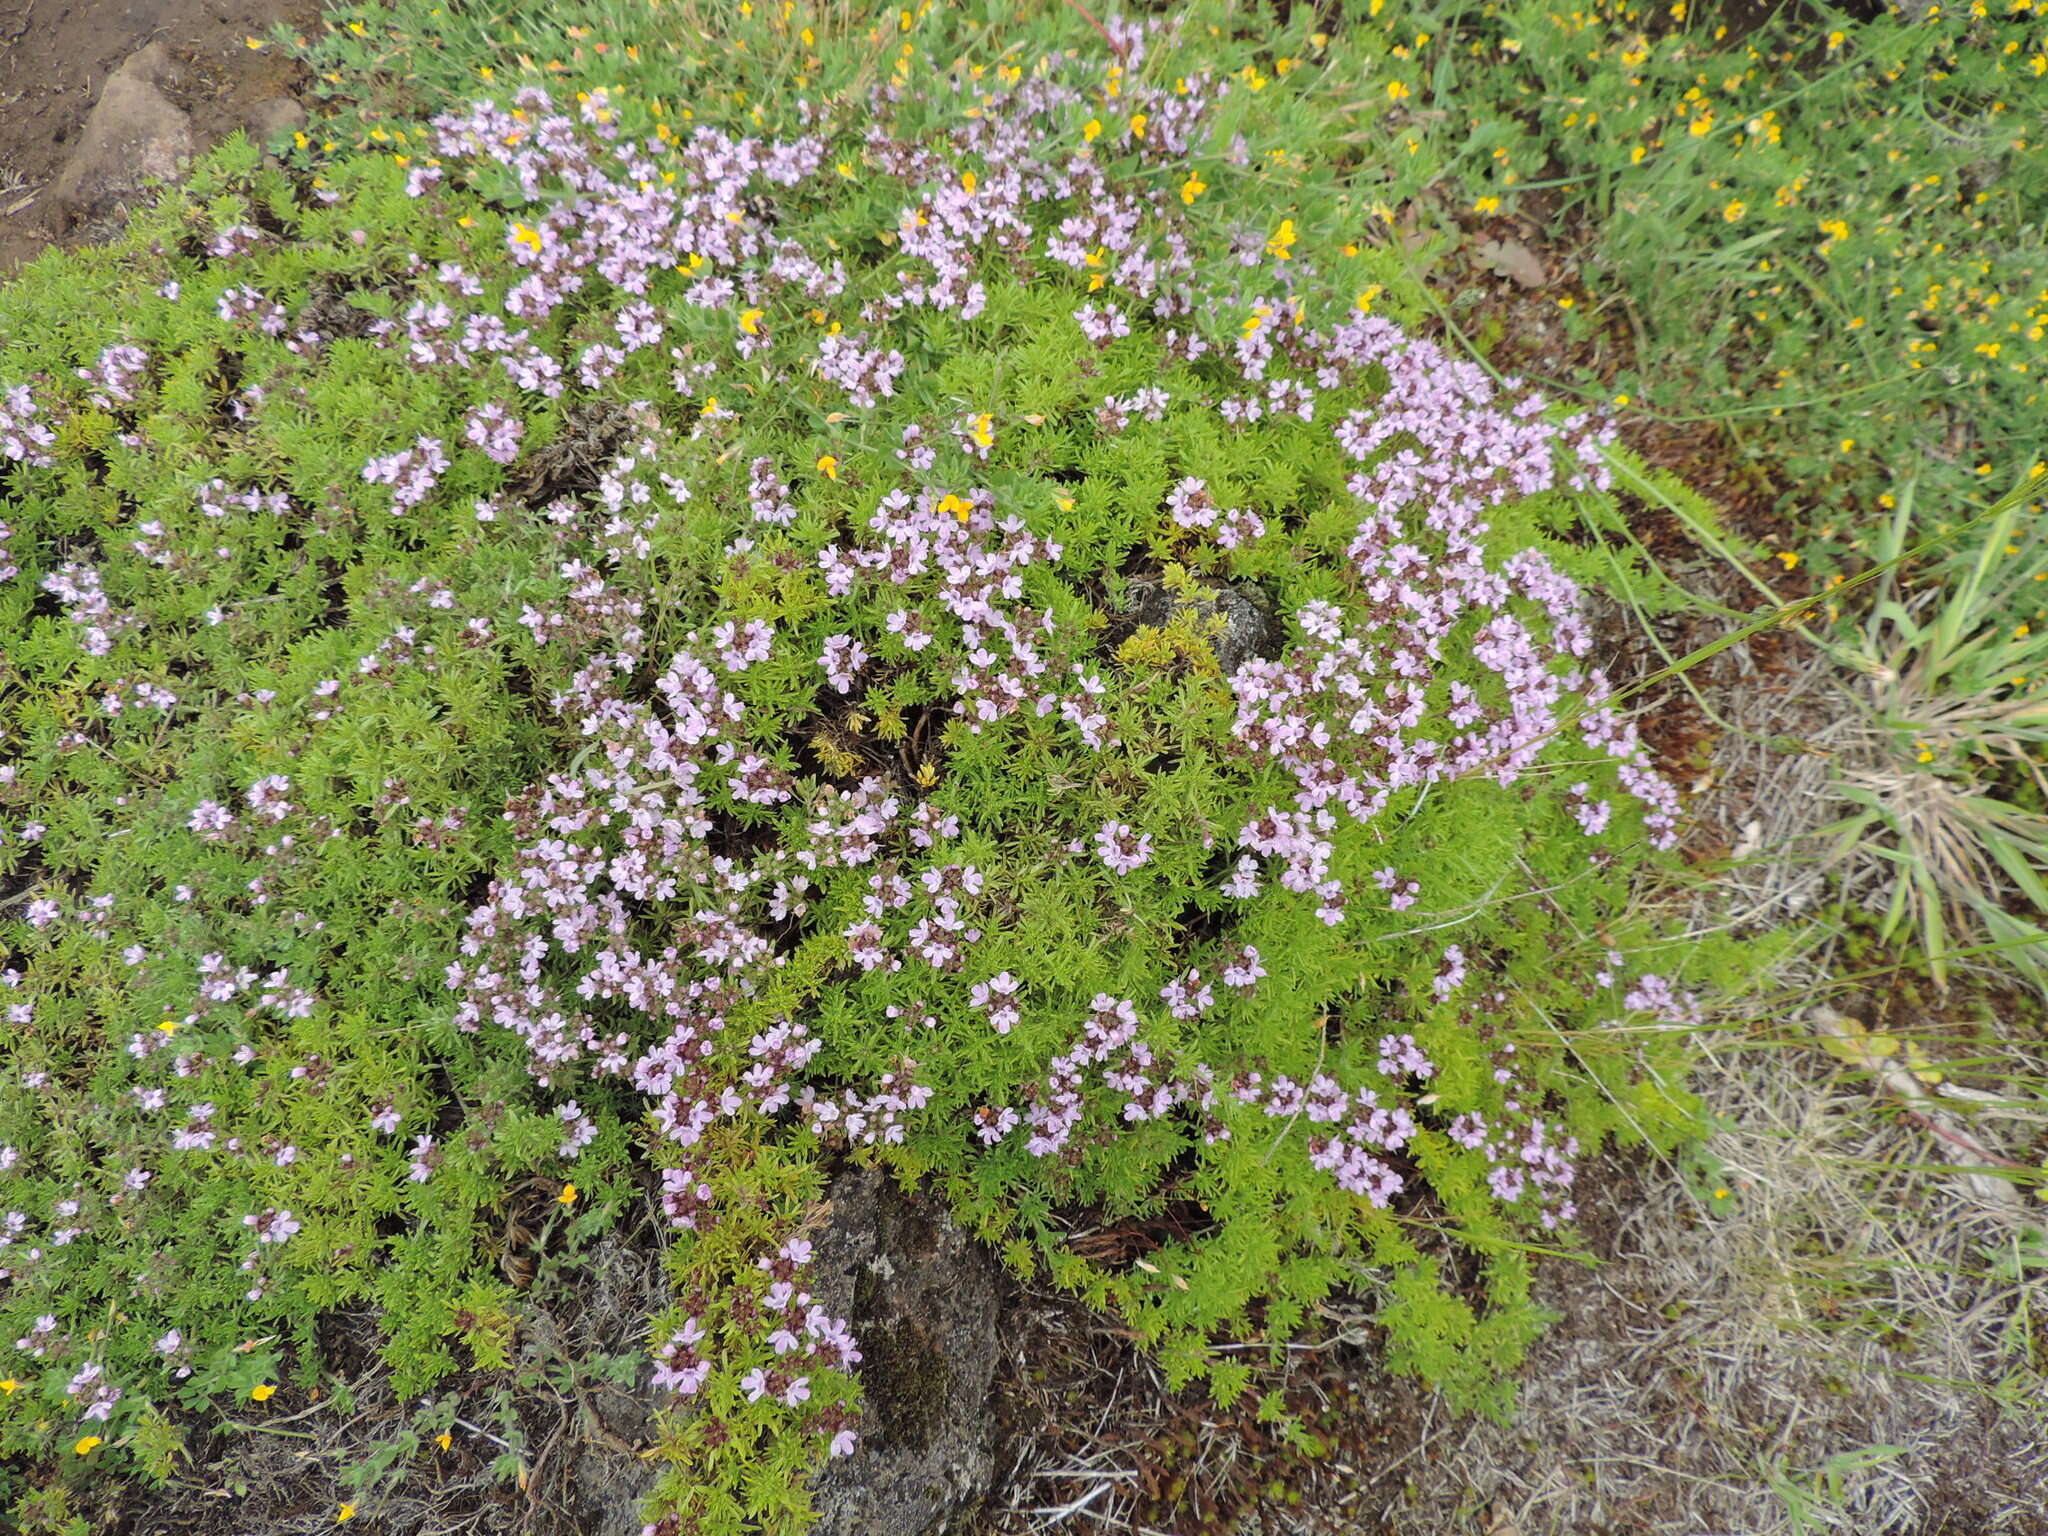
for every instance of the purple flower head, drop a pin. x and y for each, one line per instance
(1121, 848)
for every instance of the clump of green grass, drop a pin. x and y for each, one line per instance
(1821, 231)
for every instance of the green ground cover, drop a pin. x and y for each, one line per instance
(799, 585)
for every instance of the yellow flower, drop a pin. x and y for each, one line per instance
(346, 1512)
(710, 406)
(529, 238)
(1372, 291)
(984, 435)
(1735, 210)
(444, 1439)
(1702, 125)
(1836, 39)
(1192, 188)
(10, 1386)
(1282, 243)
(1790, 557)
(828, 466)
(959, 508)
(1092, 129)
(1397, 90)
(1138, 121)
(169, 1026)
(750, 322)
(263, 1393)
(88, 1445)
(567, 1196)
(251, 44)
(1486, 205)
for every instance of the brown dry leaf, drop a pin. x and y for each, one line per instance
(1513, 260)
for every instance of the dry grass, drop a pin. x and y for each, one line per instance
(1729, 1352)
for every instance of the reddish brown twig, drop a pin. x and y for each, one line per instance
(1082, 11)
(1990, 1159)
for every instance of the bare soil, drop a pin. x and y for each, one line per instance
(55, 55)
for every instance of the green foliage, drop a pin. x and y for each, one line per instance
(212, 537)
(1829, 221)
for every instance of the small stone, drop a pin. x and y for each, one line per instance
(272, 119)
(1246, 629)
(134, 136)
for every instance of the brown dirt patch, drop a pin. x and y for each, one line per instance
(56, 55)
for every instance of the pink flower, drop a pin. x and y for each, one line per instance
(1122, 848)
(844, 657)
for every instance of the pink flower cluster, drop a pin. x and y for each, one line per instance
(411, 472)
(23, 438)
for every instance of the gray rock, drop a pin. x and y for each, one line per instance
(134, 136)
(271, 119)
(1246, 627)
(921, 1296)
